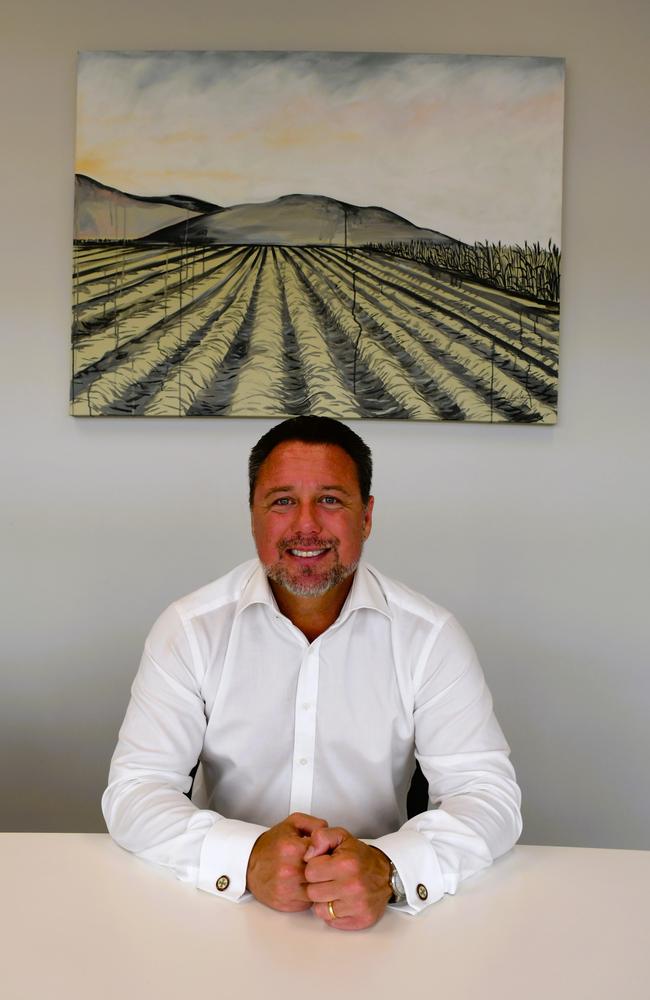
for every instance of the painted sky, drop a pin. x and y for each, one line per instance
(468, 145)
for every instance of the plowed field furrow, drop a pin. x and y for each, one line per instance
(395, 372)
(297, 399)
(266, 381)
(328, 395)
(151, 355)
(533, 380)
(485, 340)
(116, 258)
(134, 383)
(544, 317)
(148, 322)
(452, 397)
(217, 381)
(109, 286)
(524, 335)
(492, 395)
(92, 253)
(533, 327)
(104, 282)
(358, 376)
(276, 331)
(509, 388)
(146, 293)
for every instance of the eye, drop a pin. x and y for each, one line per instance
(330, 501)
(282, 502)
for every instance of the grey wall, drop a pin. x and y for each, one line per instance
(536, 537)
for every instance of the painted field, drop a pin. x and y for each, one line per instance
(274, 331)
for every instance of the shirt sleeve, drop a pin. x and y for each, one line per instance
(145, 804)
(474, 815)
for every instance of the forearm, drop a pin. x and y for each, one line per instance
(472, 826)
(161, 739)
(159, 824)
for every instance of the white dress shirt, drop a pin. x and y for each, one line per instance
(330, 728)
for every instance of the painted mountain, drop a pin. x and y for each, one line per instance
(298, 220)
(104, 213)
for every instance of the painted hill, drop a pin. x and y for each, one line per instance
(298, 220)
(103, 212)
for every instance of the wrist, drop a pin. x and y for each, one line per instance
(252, 859)
(398, 893)
(387, 866)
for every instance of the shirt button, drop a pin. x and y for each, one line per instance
(303, 760)
(422, 891)
(306, 705)
(222, 883)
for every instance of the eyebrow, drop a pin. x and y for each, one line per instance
(326, 487)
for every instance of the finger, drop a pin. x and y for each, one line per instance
(321, 892)
(344, 918)
(322, 911)
(324, 840)
(305, 824)
(321, 869)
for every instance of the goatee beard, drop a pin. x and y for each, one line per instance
(310, 583)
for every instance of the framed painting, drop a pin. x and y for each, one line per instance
(359, 235)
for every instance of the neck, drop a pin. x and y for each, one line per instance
(312, 615)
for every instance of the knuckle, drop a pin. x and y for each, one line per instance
(287, 849)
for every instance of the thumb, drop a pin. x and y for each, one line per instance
(325, 840)
(303, 823)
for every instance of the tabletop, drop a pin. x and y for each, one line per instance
(80, 918)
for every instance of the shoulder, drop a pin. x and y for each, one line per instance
(402, 601)
(426, 635)
(219, 594)
(218, 598)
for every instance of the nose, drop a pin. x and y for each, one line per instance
(307, 519)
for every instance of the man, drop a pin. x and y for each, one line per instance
(305, 683)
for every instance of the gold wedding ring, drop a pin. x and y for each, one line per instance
(330, 910)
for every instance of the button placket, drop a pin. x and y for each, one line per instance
(302, 776)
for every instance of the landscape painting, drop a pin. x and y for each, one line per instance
(356, 235)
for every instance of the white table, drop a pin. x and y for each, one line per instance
(82, 920)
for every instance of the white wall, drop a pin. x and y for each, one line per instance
(536, 537)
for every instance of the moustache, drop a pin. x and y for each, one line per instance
(308, 542)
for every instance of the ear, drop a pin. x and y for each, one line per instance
(367, 517)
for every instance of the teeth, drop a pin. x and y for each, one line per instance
(306, 554)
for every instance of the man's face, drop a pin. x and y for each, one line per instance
(309, 522)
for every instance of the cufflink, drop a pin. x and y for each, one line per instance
(222, 883)
(422, 891)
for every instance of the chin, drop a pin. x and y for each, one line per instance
(308, 583)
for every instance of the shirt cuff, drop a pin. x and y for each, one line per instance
(417, 865)
(224, 858)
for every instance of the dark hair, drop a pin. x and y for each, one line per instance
(313, 430)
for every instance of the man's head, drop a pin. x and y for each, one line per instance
(313, 430)
(311, 508)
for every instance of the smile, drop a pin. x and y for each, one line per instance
(307, 553)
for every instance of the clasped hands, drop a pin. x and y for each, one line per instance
(302, 863)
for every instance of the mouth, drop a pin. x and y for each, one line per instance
(307, 554)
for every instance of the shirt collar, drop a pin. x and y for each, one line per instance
(366, 592)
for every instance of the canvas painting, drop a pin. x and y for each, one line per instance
(357, 235)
